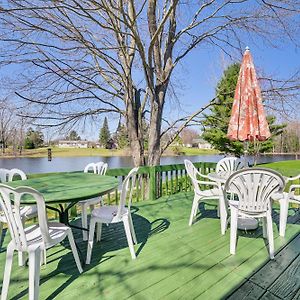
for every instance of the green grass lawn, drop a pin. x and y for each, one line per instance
(286, 168)
(192, 151)
(69, 152)
(75, 152)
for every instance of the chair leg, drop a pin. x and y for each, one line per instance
(264, 226)
(270, 234)
(98, 232)
(74, 251)
(7, 271)
(21, 258)
(34, 273)
(284, 207)
(223, 215)
(21, 255)
(84, 221)
(43, 257)
(1, 231)
(128, 236)
(218, 211)
(233, 229)
(194, 209)
(132, 229)
(90, 241)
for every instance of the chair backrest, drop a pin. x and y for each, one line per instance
(4, 175)
(16, 172)
(254, 188)
(8, 175)
(90, 166)
(101, 168)
(13, 216)
(230, 164)
(128, 186)
(193, 172)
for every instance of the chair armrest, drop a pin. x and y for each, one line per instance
(207, 182)
(293, 178)
(200, 174)
(292, 197)
(293, 187)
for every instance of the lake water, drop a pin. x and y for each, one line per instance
(60, 164)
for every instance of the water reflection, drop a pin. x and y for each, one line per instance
(60, 164)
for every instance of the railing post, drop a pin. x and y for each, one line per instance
(152, 183)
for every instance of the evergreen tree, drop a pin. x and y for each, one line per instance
(122, 136)
(216, 123)
(104, 137)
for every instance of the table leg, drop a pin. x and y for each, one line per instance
(64, 215)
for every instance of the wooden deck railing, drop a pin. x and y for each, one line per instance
(160, 180)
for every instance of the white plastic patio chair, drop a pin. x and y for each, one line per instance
(230, 164)
(203, 195)
(254, 188)
(34, 239)
(284, 199)
(99, 168)
(115, 214)
(27, 212)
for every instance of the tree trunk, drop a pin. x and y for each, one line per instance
(155, 125)
(135, 130)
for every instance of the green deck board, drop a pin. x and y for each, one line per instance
(174, 261)
(224, 265)
(221, 287)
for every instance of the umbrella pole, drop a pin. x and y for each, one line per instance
(246, 147)
(256, 151)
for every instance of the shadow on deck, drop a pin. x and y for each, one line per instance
(173, 260)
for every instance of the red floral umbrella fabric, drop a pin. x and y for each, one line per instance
(248, 120)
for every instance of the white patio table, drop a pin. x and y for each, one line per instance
(243, 223)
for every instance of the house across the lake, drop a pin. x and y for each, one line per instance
(73, 144)
(202, 144)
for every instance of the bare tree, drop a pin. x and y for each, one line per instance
(91, 57)
(188, 135)
(12, 127)
(289, 140)
(7, 123)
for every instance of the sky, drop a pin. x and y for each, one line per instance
(203, 69)
(196, 77)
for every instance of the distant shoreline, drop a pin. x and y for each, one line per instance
(79, 152)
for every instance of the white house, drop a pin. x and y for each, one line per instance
(73, 144)
(202, 144)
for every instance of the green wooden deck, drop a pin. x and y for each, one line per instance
(174, 261)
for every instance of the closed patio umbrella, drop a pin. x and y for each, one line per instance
(248, 121)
